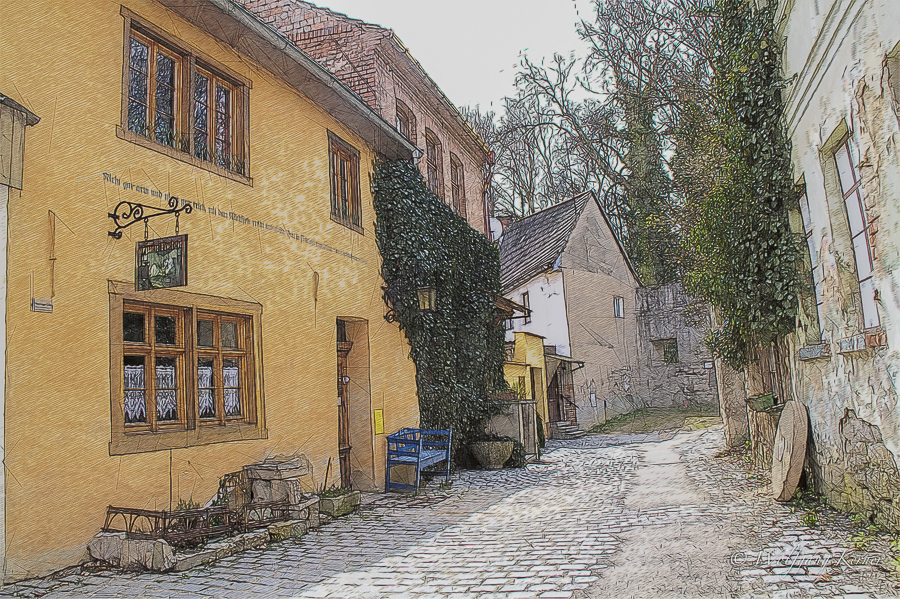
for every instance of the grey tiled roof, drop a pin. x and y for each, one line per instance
(531, 245)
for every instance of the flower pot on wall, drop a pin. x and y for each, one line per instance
(491, 455)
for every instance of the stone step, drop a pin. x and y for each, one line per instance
(564, 430)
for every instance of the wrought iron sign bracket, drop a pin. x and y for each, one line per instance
(128, 213)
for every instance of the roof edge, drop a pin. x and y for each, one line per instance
(268, 35)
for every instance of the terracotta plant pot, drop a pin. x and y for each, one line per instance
(491, 454)
(340, 505)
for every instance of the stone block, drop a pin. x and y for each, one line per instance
(312, 507)
(276, 490)
(147, 554)
(250, 540)
(340, 506)
(107, 547)
(222, 548)
(288, 530)
(307, 510)
(278, 468)
(186, 561)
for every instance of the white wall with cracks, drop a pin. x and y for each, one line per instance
(844, 362)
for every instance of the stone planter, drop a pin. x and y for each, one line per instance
(340, 505)
(491, 454)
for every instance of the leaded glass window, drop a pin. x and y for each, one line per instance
(213, 119)
(172, 100)
(152, 90)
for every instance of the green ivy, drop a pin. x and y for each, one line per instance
(745, 258)
(458, 347)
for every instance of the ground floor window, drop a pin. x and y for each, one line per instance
(183, 371)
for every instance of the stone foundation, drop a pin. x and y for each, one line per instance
(859, 476)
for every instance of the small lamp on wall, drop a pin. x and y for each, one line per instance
(427, 298)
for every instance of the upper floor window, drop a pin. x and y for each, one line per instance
(457, 188)
(406, 122)
(344, 170)
(213, 119)
(434, 164)
(855, 211)
(154, 73)
(183, 104)
(815, 265)
(527, 303)
(619, 307)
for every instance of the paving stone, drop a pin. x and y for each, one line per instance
(539, 531)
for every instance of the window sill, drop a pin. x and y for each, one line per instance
(868, 340)
(815, 351)
(171, 152)
(348, 224)
(124, 443)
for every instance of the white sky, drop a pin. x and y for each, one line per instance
(471, 47)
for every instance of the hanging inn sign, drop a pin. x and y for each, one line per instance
(158, 263)
(161, 263)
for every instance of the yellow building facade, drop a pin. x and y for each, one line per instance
(141, 398)
(525, 371)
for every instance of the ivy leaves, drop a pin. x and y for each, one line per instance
(745, 259)
(457, 347)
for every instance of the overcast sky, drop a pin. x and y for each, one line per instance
(471, 47)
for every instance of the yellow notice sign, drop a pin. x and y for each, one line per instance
(379, 422)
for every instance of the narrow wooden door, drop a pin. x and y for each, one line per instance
(344, 412)
(554, 400)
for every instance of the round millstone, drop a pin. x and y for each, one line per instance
(789, 450)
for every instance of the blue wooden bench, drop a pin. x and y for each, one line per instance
(419, 448)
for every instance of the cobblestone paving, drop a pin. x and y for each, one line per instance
(550, 530)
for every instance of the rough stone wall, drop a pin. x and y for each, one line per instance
(666, 314)
(732, 404)
(847, 375)
(860, 474)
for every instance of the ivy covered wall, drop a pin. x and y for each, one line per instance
(458, 346)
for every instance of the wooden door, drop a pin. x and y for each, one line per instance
(554, 400)
(343, 381)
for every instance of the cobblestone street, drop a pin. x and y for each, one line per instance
(597, 517)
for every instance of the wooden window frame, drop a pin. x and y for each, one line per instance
(406, 121)
(188, 429)
(151, 349)
(852, 196)
(346, 204)
(618, 306)
(814, 263)
(434, 164)
(457, 185)
(526, 302)
(150, 102)
(182, 144)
